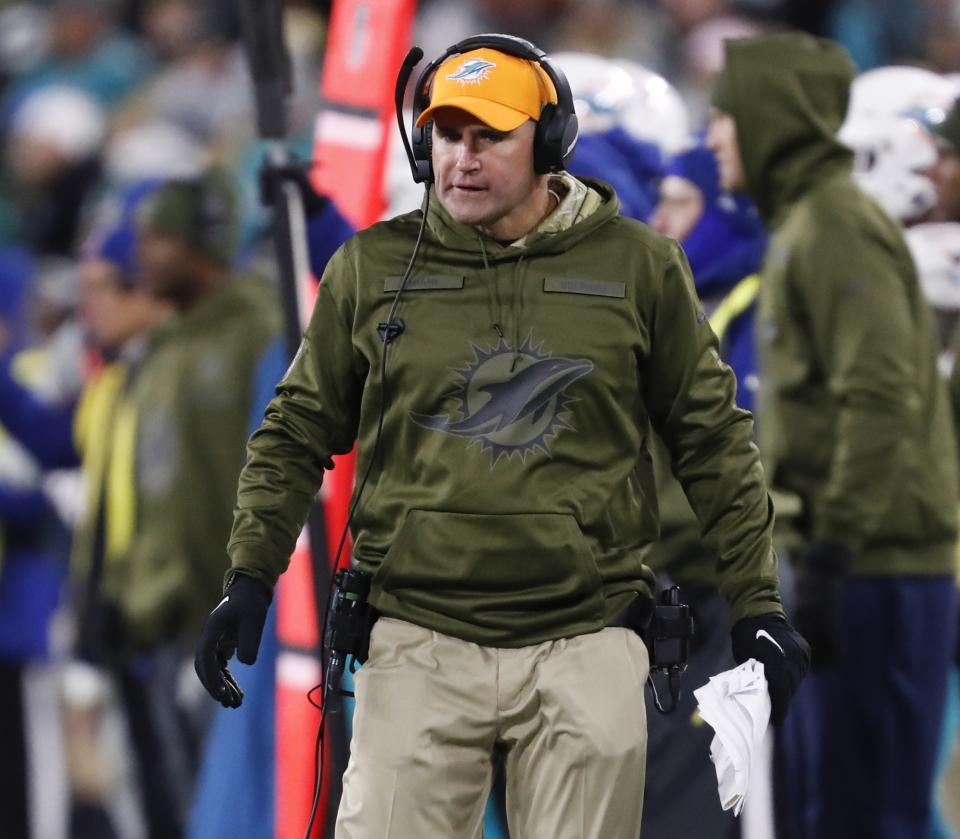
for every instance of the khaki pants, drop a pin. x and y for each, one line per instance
(568, 714)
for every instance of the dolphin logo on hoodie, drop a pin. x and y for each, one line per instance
(510, 401)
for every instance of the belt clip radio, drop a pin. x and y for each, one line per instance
(669, 643)
(349, 621)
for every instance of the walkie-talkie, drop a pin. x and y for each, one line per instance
(669, 642)
(349, 621)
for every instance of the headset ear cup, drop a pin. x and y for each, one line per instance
(421, 143)
(568, 142)
(428, 144)
(421, 139)
(554, 140)
(547, 149)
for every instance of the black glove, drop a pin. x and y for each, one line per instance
(235, 624)
(294, 171)
(781, 649)
(821, 575)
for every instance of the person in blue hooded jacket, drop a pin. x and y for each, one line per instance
(724, 241)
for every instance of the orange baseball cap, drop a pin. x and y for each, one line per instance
(499, 89)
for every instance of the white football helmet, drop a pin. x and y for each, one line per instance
(900, 91)
(891, 159)
(886, 126)
(615, 92)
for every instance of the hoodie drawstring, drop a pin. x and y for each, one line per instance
(517, 310)
(494, 296)
(495, 302)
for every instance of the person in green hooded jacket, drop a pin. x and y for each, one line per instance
(505, 426)
(194, 401)
(191, 401)
(855, 421)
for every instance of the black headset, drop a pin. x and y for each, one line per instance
(212, 213)
(210, 223)
(557, 127)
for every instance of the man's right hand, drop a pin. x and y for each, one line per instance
(784, 653)
(236, 624)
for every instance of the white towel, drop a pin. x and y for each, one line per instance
(736, 705)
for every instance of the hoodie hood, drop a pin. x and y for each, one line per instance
(788, 93)
(477, 249)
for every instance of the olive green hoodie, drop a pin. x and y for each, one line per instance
(852, 415)
(193, 399)
(513, 493)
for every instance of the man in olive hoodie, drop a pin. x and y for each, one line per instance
(510, 492)
(854, 420)
(191, 405)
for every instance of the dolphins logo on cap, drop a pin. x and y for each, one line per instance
(472, 71)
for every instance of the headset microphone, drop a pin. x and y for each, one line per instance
(406, 70)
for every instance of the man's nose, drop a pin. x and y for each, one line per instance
(467, 158)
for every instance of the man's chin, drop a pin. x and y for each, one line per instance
(466, 210)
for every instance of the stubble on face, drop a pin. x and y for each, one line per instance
(484, 177)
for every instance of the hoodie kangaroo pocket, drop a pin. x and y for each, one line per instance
(494, 579)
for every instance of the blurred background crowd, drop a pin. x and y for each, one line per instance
(139, 320)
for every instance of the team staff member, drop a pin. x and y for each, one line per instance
(853, 419)
(193, 399)
(512, 492)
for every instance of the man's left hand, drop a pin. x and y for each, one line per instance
(784, 653)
